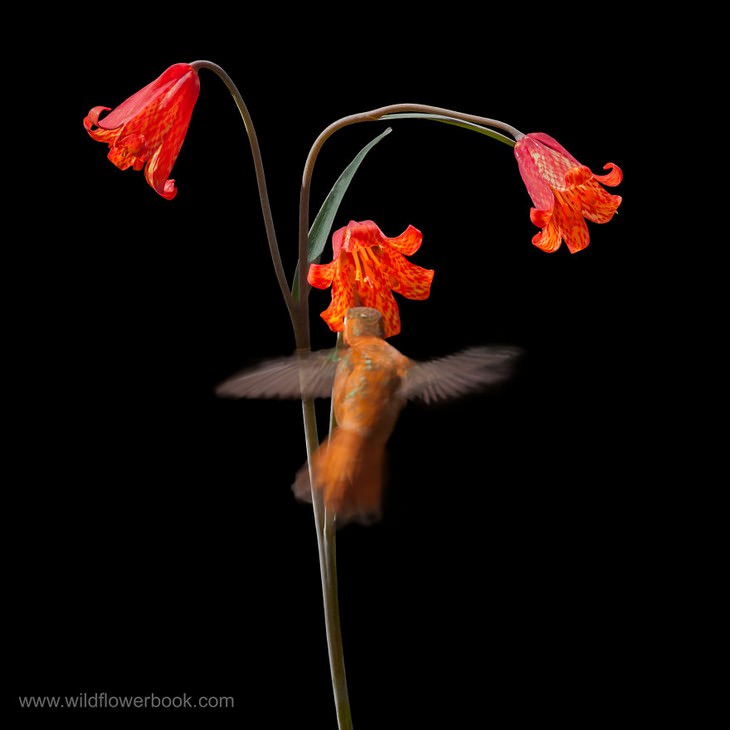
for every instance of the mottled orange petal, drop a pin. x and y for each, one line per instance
(548, 239)
(412, 282)
(320, 275)
(408, 242)
(150, 126)
(99, 134)
(156, 172)
(572, 225)
(577, 176)
(362, 233)
(541, 217)
(611, 178)
(128, 151)
(597, 205)
(343, 293)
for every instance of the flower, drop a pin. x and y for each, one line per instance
(148, 129)
(564, 192)
(366, 268)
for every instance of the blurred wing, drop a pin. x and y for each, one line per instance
(459, 374)
(295, 376)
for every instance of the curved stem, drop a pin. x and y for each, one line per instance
(260, 180)
(456, 123)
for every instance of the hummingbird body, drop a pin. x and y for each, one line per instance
(349, 467)
(370, 382)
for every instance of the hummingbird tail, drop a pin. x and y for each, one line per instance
(348, 471)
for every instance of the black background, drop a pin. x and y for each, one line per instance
(156, 546)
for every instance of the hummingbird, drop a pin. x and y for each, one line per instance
(370, 382)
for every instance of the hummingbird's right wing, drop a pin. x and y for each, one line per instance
(456, 375)
(309, 375)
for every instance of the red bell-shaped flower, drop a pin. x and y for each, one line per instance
(148, 129)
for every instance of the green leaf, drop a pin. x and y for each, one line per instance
(320, 228)
(325, 218)
(456, 122)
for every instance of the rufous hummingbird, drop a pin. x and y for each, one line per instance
(369, 381)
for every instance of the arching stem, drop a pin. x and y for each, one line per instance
(261, 182)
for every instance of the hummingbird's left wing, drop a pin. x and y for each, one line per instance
(307, 375)
(456, 375)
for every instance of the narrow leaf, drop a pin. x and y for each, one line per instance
(324, 219)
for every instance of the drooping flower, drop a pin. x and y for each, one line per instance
(148, 129)
(366, 268)
(564, 192)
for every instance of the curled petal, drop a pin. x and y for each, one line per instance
(343, 294)
(92, 118)
(334, 315)
(408, 242)
(548, 239)
(611, 178)
(161, 183)
(540, 217)
(159, 167)
(320, 275)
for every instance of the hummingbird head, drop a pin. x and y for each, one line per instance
(363, 322)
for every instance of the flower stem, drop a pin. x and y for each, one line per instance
(260, 180)
(326, 547)
(299, 315)
(334, 631)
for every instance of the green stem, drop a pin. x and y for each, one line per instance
(334, 631)
(326, 547)
(481, 129)
(260, 180)
(332, 605)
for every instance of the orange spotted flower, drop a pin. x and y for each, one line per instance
(366, 268)
(564, 192)
(148, 129)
